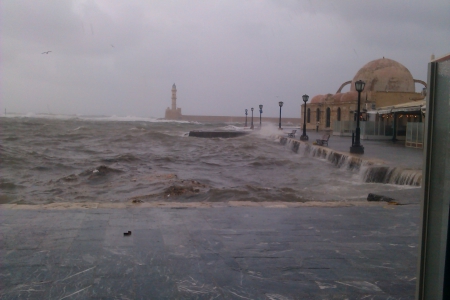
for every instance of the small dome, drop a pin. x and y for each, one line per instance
(174, 87)
(384, 75)
(349, 97)
(337, 97)
(318, 99)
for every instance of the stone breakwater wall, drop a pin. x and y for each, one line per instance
(370, 170)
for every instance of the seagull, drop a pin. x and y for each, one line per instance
(46, 52)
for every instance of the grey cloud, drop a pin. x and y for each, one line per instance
(224, 56)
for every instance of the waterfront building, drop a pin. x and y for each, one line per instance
(388, 83)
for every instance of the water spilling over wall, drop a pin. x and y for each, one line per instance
(370, 171)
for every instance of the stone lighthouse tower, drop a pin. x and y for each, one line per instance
(173, 113)
(174, 97)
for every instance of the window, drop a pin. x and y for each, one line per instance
(328, 121)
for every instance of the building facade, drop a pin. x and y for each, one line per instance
(387, 83)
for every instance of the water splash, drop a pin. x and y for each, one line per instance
(370, 171)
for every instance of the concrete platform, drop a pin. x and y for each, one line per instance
(210, 253)
(218, 134)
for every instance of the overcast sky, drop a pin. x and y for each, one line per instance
(117, 57)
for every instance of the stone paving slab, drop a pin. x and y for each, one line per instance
(210, 253)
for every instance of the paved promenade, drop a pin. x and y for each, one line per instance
(395, 154)
(366, 252)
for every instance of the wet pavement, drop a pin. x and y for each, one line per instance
(395, 154)
(210, 253)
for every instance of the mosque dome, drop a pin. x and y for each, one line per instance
(337, 97)
(349, 97)
(385, 75)
(317, 99)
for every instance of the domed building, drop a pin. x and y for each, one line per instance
(387, 83)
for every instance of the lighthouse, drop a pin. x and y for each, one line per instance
(173, 113)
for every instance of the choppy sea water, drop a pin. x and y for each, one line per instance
(47, 159)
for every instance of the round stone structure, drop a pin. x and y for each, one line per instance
(384, 75)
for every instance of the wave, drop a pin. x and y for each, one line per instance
(127, 157)
(113, 118)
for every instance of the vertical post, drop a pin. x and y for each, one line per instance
(245, 117)
(358, 130)
(394, 127)
(260, 113)
(356, 145)
(279, 123)
(251, 127)
(304, 120)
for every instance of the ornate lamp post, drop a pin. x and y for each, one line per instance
(245, 117)
(304, 137)
(356, 146)
(280, 104)
(251, 127)
(260, 112)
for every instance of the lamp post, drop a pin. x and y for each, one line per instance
(260, 112)
(356, 146)
(246, 117)
(304, 137)
(280, 104)
(251, 127)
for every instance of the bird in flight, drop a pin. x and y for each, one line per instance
(46, 52)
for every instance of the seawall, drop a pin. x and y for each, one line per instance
(371, 170)
(241, 119)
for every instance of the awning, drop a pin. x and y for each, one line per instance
(384, 111)
(404, 107)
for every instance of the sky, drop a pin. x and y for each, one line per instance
(117, 57)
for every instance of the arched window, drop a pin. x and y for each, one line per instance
(339, 114)
(328, 121)
(318, 114)
(308, 115)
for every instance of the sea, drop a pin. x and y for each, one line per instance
(81, 159)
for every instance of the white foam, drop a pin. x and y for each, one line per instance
(114, 118)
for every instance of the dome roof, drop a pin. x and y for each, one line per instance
(337, 97)
(317, 99)
(385, 75)
(349, 97)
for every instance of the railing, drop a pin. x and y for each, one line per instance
(414, 135)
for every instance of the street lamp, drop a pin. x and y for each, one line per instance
(280, 104)
(304, 137)
(356, 146)
(260, 112)
(251, 127)
(246, 117)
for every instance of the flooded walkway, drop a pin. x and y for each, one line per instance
(210, 253)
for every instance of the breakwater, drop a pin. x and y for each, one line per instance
(370, 170)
